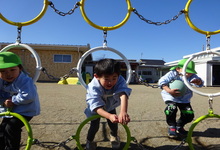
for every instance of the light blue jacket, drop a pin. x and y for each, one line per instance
(97, 96)
(174, 75)
(23, 93)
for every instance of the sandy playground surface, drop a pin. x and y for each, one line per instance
(62, 109)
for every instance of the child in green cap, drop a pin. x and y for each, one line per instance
(174, 99)
(19, 94)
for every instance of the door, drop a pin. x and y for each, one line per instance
(216, 75)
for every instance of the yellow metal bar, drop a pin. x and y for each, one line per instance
(20, 24)
(188, 20)
(130, 9)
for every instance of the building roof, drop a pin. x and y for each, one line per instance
(199, 58)
(82, 48)
(151, 62)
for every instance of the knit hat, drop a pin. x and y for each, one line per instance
(190, 67)
(9, 59)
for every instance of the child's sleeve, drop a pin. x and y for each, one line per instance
(26, 92)
(166, 79)
(3, 95)
(94, 95)
(122, 87)
(194, 76)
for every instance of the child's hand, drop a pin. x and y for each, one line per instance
(196, 81)
(174, 92)
(113, 118)
(8, 103)
(123, 118)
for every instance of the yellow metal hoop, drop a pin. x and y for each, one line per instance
(186, 12)
(19, 24)
(130, 9)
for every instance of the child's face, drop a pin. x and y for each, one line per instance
(180, 70)
(108, 81)
(9, 74)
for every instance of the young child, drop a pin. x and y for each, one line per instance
(174, 100)
(19, 94)
(105, 92)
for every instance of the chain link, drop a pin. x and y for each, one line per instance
(105, 36)
(61, 78)
(63, 13)
(141, 81)
(73, 70)
(48, 75)
(210, 105)
(158, 23)
(19, 35)
(208, 42)
(61, 144)
(138, 144)
(181, 145)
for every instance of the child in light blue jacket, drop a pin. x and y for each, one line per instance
(19, 94)
(105, 92)
(174, 99)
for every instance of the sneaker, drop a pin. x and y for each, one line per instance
(172, 132)
(115, 141)
(91, 145)
(181, 131)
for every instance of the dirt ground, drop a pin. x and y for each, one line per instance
(62, 112)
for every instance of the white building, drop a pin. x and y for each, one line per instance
(207, 65)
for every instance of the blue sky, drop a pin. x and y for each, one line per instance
(136, 39)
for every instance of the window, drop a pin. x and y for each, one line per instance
(146, 73)
(62, 58)
(139, 73)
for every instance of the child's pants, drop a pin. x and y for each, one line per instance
(186, 113)
(94, 127)
(10, 133)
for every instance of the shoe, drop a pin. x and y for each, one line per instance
(115, 141)
(181, 131)
(91, 145)
(172, 132)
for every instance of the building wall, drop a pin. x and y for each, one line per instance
(207, 66)
(152, 77)
(55, 69)
(201, 70)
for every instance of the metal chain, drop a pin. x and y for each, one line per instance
(143, 148)
(61, 144)
(63, 13)
(61, 78)
(19, 35)
(181, 145)
(141, 81)
(158, 23)
(136, 142)
(73, 70)
(210, 105)
(105, 36)
(48, 75)
(208, 42)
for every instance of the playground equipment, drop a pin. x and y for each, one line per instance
(130, 9)
(81, 60)
(209, 95)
